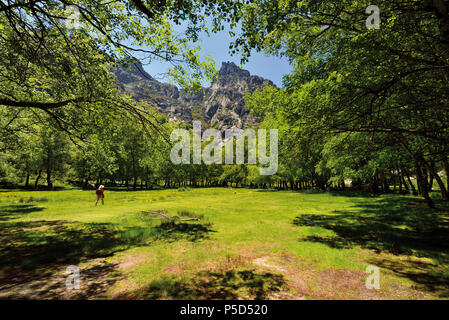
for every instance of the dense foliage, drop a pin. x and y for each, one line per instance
(364, 108)
(366, 104)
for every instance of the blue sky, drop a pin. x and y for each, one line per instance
(217, 46)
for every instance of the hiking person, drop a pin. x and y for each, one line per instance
(100, 194)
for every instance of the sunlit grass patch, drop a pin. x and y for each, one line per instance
(210, 232)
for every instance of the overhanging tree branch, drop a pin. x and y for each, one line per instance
(40, 105)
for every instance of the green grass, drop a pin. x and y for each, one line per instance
(248, 244)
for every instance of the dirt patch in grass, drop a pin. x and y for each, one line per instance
(178, 269)
(295, 279)
(242, 274)
(289, 277)
(258, 260)
(304, 280)
(235, 259)
(222, 264)
(342, 284)
(266, 263)
(350, 284)
(133, 261)
(293, 270)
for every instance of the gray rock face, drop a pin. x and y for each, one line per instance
(221, 105)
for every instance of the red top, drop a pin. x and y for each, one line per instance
(101, 191)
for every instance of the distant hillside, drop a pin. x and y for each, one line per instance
(221, 105)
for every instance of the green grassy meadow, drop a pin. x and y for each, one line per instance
(249, 244)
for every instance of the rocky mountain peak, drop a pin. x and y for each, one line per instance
(222, 105)
(131, 73)
(231, 69)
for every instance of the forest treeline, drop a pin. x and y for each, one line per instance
(361, 104)
(122, 154)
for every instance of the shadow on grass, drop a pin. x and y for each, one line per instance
(346, 193)
(31, 251)
(353, 193)
(31, 188)
(14, 211)
(426, 276)
(396, 225)
(131, 189)
(35, 243)
(43, 284)
(174, 231)
(207, 285)
(267, 190)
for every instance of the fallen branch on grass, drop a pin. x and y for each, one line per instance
(161, 214)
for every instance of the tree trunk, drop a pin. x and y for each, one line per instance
(431, 176)
(49, 183)
(446, 168)
(421, 176)
(374, 184)
(384, 182)
(393, 178)
(441, 10)
(444, 192)
(401, 177)
(36, 183)
(412, 185)
(422, 184)
(434, 174)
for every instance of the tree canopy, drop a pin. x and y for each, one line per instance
(364, 106)
(356, 83)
